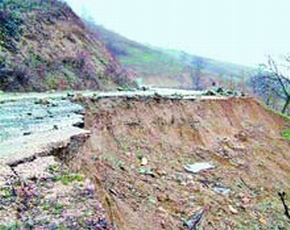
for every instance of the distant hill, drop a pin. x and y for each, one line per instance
(44, 45)
(161, 67)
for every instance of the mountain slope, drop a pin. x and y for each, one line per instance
(161, 67)
(45, 45)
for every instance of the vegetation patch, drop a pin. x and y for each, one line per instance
(286, 134)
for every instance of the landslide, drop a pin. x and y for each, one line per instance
(139, 148)
(44, 45)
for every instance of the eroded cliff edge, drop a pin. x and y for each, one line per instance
(140, 148)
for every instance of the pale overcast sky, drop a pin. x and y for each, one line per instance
(239, 31)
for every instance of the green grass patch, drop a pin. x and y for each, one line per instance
(286, 134)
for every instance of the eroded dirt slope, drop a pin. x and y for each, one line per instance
(139, 148)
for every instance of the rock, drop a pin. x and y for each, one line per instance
(26, 133)
(80, 125)
(195, 219)
(241, 136)
(262, 221)
(221, 190)
(233, 210)
(210, 93)
(144, 161)
(6, 174)
(42, 102)
(147, 171)
(35, 169)
(161, 210)
(246, 200)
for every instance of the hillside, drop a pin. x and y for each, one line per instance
(44, 45)
(171, 68)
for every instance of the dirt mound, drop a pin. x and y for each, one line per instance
(141, 152)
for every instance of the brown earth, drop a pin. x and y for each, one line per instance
(139, 147)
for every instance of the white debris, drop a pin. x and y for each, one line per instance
(197, 167)
(222, 190)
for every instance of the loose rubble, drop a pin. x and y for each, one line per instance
(45, 194)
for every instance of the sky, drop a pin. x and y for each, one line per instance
(237, 31)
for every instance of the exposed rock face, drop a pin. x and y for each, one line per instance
(45, 45)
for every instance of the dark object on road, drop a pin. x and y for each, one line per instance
(80, 125)
(26, 133)
(283, 196)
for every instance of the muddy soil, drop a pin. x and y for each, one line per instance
(139, 150)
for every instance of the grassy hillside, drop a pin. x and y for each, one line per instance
(169, 67)
(45, 45)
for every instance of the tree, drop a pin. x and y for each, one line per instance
(273, 80)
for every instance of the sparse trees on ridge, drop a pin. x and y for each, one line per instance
(272, 82)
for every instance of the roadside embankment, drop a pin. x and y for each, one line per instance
(144, 160)
(141, 150)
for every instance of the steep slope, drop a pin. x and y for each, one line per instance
(45, 45)
(161, 67)
(140, 150)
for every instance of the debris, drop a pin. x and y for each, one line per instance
(195, 219)
(36, 168)
(80, 125)
(209, 93)
(26, 133)
(160, 172)
(42, 102)
(152, 200)
(262, 221)
(146, 171)
(197, 167)
(241, 136)
(246, 200)
(221, 190)
(128, 154)
(233, 210)
(219, 91)
(283, 196)
(144, 161)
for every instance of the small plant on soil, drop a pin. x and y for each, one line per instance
(286, 134)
